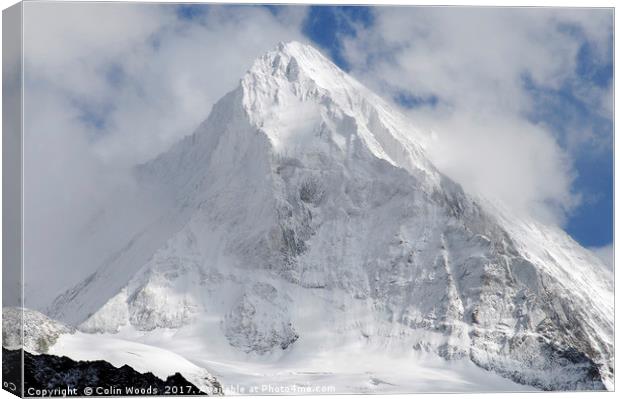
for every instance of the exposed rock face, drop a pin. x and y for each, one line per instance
(306, 204)
(39, 331)
(258, 322)
(48, 375)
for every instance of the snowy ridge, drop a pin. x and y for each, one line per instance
(307, 218)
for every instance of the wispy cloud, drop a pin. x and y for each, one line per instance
(606, 254)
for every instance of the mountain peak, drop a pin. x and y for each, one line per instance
(295, 47)
(295, 86)
(293, 44)
(294, 61)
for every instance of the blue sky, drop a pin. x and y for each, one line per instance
(326, 25)
(592, 222)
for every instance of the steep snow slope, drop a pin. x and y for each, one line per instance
(308, 214)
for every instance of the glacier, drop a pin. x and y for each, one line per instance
(309, 230)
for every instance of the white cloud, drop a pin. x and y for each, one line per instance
(509, 159)
(168, 71)
(110, 85)
(606, 254)
(474, 60)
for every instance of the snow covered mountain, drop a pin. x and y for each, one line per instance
(307, 219)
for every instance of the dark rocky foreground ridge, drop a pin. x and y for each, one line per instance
(49, 375)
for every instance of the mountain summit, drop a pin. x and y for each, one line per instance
(306, 219)
(282, 85)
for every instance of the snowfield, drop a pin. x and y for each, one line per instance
(337, 370)
(140, 357)
(312, 241)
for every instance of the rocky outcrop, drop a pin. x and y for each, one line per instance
(48, 375)
(39, 331)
